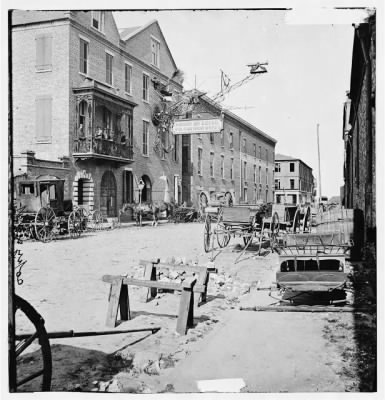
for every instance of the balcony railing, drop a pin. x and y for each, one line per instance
(103, 145)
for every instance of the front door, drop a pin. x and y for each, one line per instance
(108, 195)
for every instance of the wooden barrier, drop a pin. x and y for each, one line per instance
(118, 298)
(154, 267)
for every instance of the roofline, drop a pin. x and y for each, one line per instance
(293, 159)
(144, 27)
(238, 119)
(140, 28)
(127, 54)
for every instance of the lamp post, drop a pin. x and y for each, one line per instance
(141, 187)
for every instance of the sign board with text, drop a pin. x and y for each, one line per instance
(191, 126)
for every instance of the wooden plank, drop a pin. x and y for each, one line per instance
(151, 284)
(186, 307)
(124, 304)
(150, 275)
(314, 309)
(204, 281)
(113, 302)
(178, 267)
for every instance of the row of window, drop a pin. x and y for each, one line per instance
(291, 167)
(244, 145)
(44, 62)
(257, 195)
(231, 171)
(302, 185)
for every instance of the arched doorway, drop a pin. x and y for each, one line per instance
(147, 190)
(108, 194)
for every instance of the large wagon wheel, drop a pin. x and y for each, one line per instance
(207, 234)
(44, 224)
(37, 362)
(222, 232)
(306, 224)
(96, 220)
(74, 224)
(84, 216)
(274, 229)
(296, 221)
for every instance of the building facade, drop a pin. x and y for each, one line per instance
(83, 100)
(294, 182)
(359, 127)
(236, 162)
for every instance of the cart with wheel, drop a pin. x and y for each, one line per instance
(294, 218)
(312, 263)
(250, 222)
(42, 212)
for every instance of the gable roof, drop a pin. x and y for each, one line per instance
(127, 34)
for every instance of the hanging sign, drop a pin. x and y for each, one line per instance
(191, 126)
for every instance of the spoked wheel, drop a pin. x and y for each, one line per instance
(97, 220)
(44, 224)
(74, 224)
(32, 350)
(296, 221)
(222, 233)
(306, 225)
(274, 228)
(84, 216)
(207, 234)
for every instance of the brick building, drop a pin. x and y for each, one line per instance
(294, 182)
(359, 126)
(83, 105)
(236, 162)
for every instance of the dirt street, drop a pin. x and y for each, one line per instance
(267, 352)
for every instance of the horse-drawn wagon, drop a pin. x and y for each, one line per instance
(41, 211)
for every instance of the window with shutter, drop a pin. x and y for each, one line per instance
(43, 53)
(43, 119)
(83, 56)
(109, 59)
(145, 94)
(127, 78)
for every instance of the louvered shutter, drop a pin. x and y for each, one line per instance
(43, 53)
(43, 119)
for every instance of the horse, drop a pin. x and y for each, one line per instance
(153, 209)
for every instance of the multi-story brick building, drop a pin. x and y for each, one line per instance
(83, 105)
(294, 182)
(237, 161)
(359, 127)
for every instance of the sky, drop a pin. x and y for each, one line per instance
(308, 75)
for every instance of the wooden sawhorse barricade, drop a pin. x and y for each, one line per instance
(119, 299)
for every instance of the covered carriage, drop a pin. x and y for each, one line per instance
(41, 211)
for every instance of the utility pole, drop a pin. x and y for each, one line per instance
(319, 168)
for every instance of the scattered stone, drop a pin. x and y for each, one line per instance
(103, 386)
(114, 387)
(173, 275)
(178, 260)
(95, 382)
(145, 359)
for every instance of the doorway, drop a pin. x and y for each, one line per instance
(108, 195)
